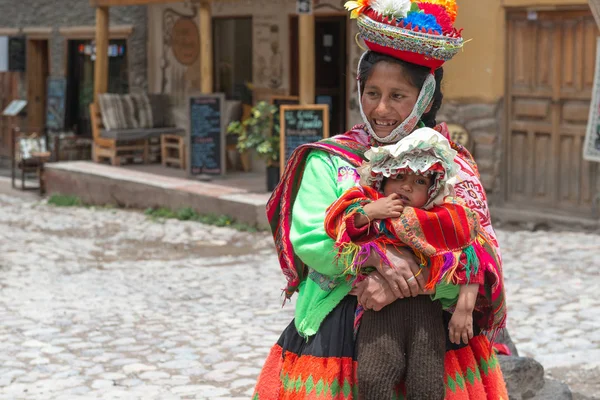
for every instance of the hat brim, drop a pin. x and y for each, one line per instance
(410, 57)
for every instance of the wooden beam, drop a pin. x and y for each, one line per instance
(206, 51)
(306, 35)
(101, 64)
(112, 3)
(37, 32)
(89, 32)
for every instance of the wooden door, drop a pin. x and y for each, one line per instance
(37, 74)
(550, 76)
(8, 92)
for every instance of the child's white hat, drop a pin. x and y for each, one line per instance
(423, 152)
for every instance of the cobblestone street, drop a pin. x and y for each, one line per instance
(102, 303)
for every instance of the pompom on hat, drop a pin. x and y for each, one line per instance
(420, 31)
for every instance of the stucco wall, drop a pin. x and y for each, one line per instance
(66, 13)
(477, 74)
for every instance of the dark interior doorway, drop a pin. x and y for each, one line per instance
(330, 66)
(80, 80)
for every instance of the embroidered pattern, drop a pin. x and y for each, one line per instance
(348, 173)
(325, 283)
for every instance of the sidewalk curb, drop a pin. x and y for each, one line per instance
(101, 185)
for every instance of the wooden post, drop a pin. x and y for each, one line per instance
(306, 35)
(101, 65)
(206, 42)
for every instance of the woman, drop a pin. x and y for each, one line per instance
(399, 89)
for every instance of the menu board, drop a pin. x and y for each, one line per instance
(55, 104)
(279, 101)
(301, 124)
(206, 136)
(16, 53)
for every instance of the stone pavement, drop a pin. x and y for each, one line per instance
(104, 303)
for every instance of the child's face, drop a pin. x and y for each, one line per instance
(412, 189)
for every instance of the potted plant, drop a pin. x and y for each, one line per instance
(254, 133)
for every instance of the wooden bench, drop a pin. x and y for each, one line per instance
(123, 143)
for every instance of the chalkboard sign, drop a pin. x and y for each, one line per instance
(16, 53)
(279, 101)
(55, 104)
(206, 136)
(300, 125)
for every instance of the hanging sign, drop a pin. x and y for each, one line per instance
(14, 108)
(304, 6)
(591, 144)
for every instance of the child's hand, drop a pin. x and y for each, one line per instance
(386, 207)
(461, 325)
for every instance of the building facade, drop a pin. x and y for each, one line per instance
(521, 88)
(56, 39)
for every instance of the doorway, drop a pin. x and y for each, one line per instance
(80, 80)
(37, 71)
(330, 66)
(232, 51)
(551, 63)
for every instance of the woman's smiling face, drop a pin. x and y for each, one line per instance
(388, 98)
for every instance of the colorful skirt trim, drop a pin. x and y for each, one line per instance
(324, 366)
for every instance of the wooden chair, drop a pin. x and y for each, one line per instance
(113, 149)
(173, 150)
(29, 153)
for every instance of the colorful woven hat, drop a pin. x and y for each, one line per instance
(420, 31)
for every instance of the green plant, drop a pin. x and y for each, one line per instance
(60, 200)
(255, 133)
(188, 214)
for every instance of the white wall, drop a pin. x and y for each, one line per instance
(3, 53)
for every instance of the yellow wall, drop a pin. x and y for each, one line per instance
(478, 73)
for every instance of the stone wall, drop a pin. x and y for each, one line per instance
(66, 13)
(483, 122)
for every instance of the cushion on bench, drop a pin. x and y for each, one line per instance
(125, 111)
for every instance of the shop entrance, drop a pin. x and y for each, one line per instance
(80, 80)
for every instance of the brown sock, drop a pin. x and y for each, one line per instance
(405, 338)
(381, 352)
(426, 350)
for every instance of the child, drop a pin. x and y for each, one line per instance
(406, 339)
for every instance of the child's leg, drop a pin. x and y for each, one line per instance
(426, 349)
(381, 348)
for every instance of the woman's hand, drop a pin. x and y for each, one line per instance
(374, 292)
(404, 276)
